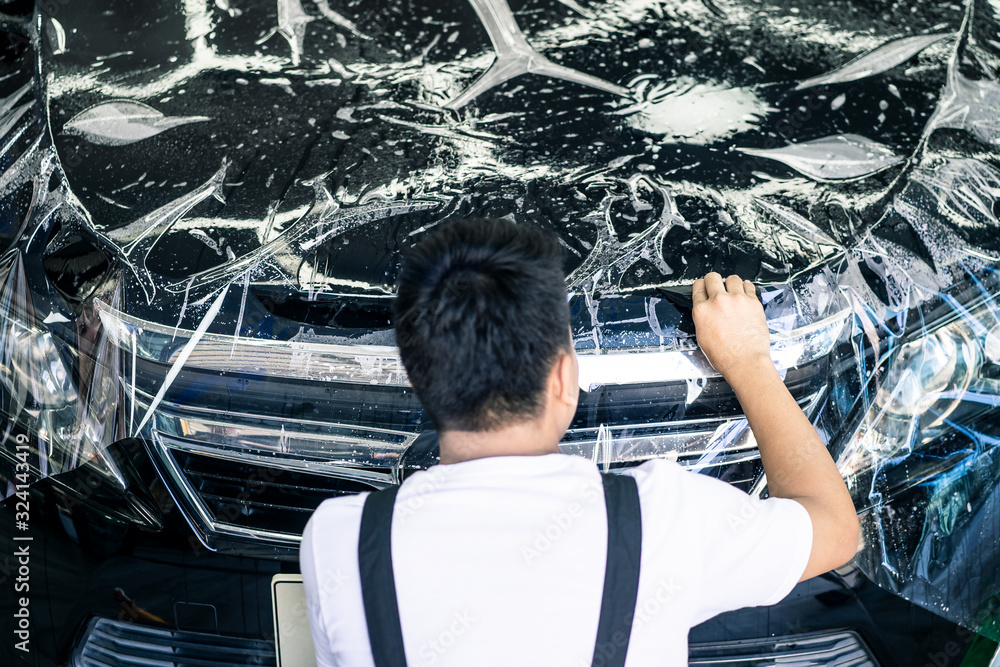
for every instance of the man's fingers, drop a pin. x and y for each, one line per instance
(698, 292)
(714, 284)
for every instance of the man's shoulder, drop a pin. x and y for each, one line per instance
(333, 528)
(343, 504)
(339, 510)
(656, 472)
(671, 484)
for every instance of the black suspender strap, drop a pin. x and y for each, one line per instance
(378, 587)
(621, 574)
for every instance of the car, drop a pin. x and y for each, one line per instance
(203, 207)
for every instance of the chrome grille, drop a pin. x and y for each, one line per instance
(108, 643)
(821, 649)
(259, 497)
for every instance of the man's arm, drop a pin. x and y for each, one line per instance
(732, 332)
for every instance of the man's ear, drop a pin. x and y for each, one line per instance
(565, 379)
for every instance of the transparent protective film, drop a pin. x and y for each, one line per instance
(203, 207)
(61, 386)
(60, 375)
(920, 454)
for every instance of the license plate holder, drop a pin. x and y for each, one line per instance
(293, 644)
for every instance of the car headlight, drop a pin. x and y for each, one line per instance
(920, 457)
(30, 362)
(936, 380)
(308, 357)
(65, 419)
(944, 361)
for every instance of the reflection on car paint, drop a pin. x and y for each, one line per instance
(126, 122)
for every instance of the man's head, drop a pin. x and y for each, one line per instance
(481, 319)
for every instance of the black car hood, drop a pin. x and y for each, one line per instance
(299, 147)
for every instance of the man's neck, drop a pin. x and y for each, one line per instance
(523, 439)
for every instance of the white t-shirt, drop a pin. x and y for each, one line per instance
(500, 561)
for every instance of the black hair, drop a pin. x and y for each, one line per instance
(481, 316)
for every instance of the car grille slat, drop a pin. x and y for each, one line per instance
(111, 643)
(257, 483)
(822, 649)
(258, 497)
(212, 485)
(259, 505)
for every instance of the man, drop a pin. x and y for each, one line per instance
(498, 554)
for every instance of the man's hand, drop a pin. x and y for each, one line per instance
(732, 332)
(729, 322)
